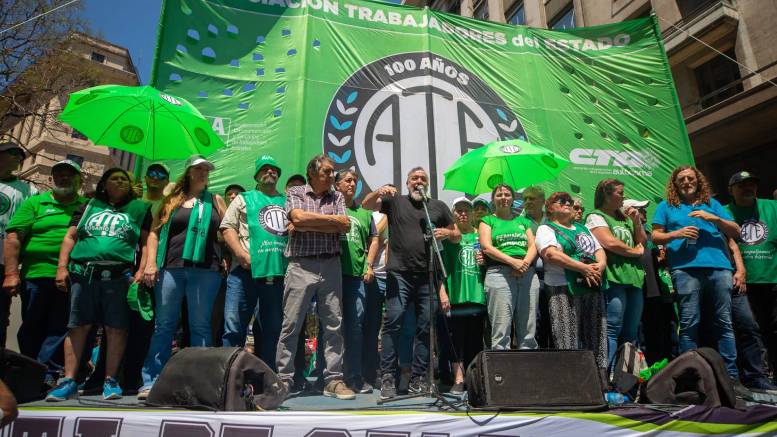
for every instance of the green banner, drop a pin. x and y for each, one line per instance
(384, 88)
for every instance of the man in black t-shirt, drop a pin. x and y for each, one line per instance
(407, 279)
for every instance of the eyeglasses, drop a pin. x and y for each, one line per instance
(578, 208)
(156, 174)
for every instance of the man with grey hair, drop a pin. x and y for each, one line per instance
(408, 267)
(317, 218)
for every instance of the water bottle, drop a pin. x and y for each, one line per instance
(615, 399)
(476, 247)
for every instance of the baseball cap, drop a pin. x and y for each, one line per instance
(480, 201)
(631, 203)
(461, 199)
(266, 160)
(4, 147)
(159, 164)
(199, 159)
(742, 176)
(68, 162)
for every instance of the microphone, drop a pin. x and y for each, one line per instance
(422, 189)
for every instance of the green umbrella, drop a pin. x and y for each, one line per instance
(512, 162)
(141, 120)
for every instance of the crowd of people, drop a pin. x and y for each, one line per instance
(137, 265)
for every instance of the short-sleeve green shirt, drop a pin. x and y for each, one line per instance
(43, 222)
(509, 236)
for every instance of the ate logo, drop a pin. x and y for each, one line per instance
(585, 243)
(273, 219)
(624, 234)
(413, 109)
(354, 232)
(754, 232)
(108, 224)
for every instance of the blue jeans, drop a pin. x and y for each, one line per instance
(624, 311)
(248, 296)
(704, 296)
(373, 311)
(750, 348)
(200, 286)
(45, 311)
(354, 297)
(402, 290)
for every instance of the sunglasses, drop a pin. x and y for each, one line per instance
(157, 174)
(565, 202)
(578, 208)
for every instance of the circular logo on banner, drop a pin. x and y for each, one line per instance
(510, 149)
(413, 109)
(5, 203)
(170, 99)
(585, 243)
(273, 219)
(754, 232)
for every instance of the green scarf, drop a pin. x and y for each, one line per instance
(196, 231)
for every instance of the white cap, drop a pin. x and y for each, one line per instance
(199, 159)
(461, 199)
(631, 203)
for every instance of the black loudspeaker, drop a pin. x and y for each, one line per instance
(23, 376)
(217, 378)
(547, 380)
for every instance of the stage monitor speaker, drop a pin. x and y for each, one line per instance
(23, 375)
(546, 380)
(217, 378)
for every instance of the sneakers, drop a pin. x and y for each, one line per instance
(365, 388)
(457, 389)
(143, 393)
(111, 389)
(762, 384)
(337, 389)
(67, 389)
(418, 385)
(387, 388)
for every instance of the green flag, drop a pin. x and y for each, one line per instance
(384, 88)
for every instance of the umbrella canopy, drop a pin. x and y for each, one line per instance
(512, 162)
(141, 120)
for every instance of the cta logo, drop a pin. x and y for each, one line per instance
(585, 243)
(413, 109)
(273, 219)
(618, 162)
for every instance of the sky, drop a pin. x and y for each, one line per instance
(131, 24)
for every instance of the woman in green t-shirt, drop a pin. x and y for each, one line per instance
(508, 243)
(464, 299)
(96, 265)
(622, 237)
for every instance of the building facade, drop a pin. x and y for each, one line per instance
(48, 141)
(723, 60)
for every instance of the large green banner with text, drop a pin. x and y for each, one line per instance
(384, 88)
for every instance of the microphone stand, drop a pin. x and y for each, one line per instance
(434, 253)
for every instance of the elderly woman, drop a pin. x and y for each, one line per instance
(95, 263)
(574, 268)
(183, 242)
(620, 232)
(508, 243)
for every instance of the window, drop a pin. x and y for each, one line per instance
(481, 10)
(78, 135)
(516, 15)
(75, 158)
(564, 20)
(97, 57)
(716, 79)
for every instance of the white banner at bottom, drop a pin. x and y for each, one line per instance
(178, 423)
